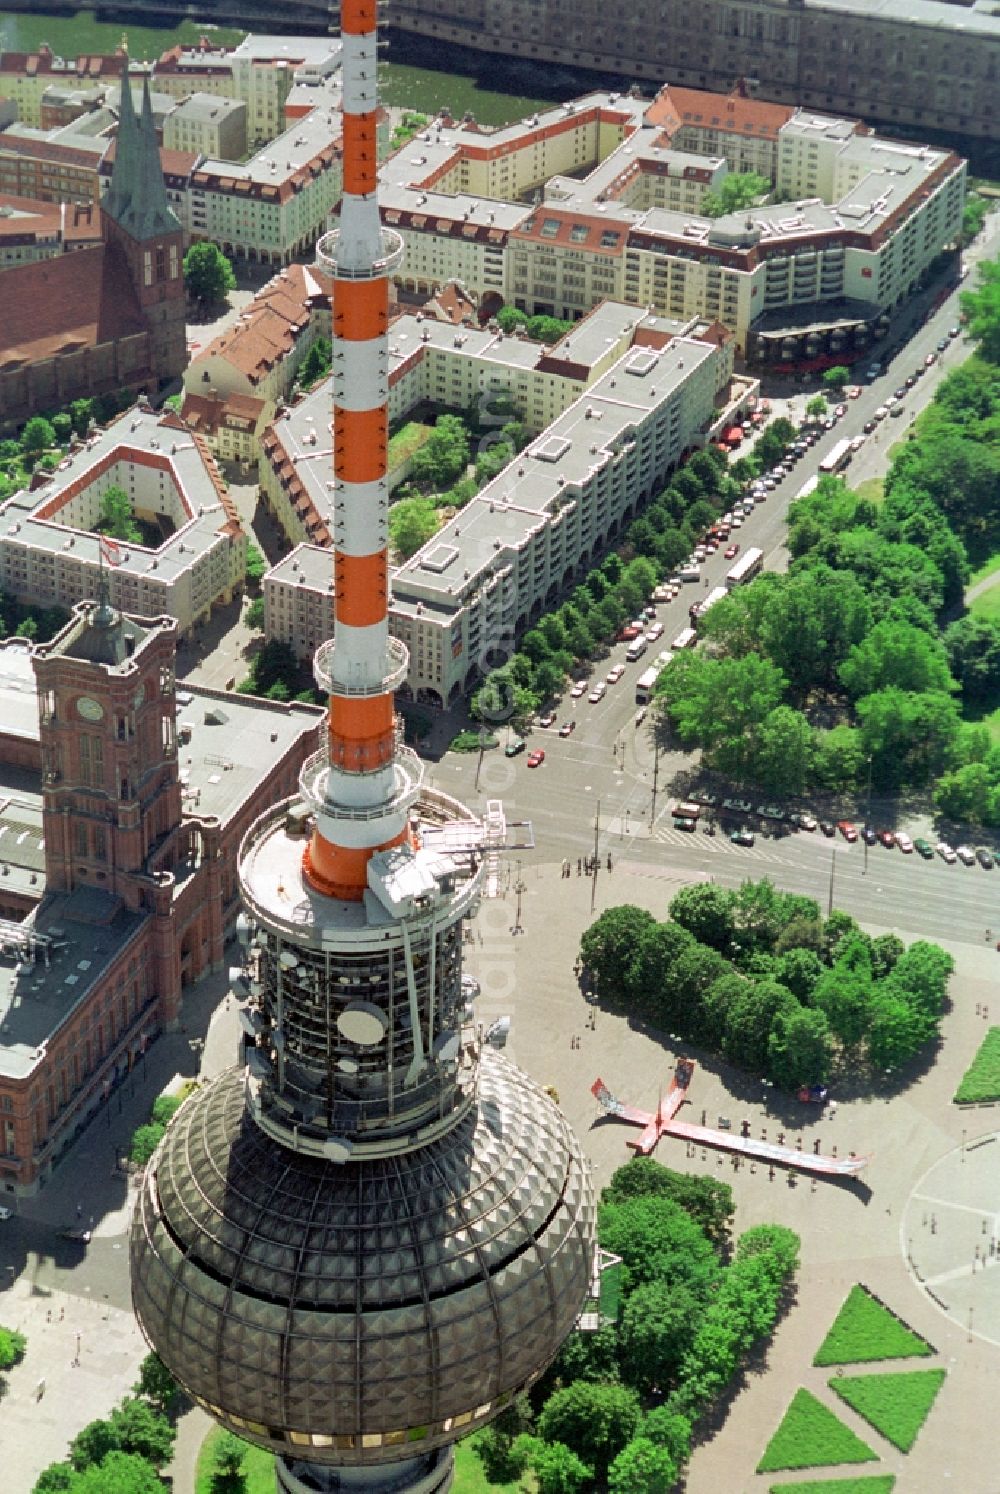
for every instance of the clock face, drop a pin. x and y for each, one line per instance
(90, 710)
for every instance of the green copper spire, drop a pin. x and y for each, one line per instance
(137, 196)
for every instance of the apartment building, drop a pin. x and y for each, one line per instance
(815, 277)
(207, 125)
(265, 68)
(654, 391)
(31, 230)
(50, 553)
(51, 165)
(272, 208)
(232, 386)
(25, 77)
(928, 67)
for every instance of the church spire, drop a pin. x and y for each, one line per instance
(137, 196)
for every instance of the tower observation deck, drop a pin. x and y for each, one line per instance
(365, 1239)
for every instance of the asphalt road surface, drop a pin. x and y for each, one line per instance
(603, 774)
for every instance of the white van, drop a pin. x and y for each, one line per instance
(636, 648)
(690, 572)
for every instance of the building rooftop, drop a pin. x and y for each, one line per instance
(18, 700)
(88, 930)
(284, 160)
(235, 742)
(202, 108)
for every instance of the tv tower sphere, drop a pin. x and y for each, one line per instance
(365, 1239)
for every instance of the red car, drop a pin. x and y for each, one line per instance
(732, 552)
(536, 758)
(847, 830)
(628, 633)
(887, 839)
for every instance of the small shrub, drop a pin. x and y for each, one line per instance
(897, 1405)
(864, 1330)
(981, 1080)
(810, 1436)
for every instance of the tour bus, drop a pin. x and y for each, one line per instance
(749, 564)
(685, 639)
(809, 486)
(715, 595)
(646, 683)
(837, 457)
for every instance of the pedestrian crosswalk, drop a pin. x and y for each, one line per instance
(719, 845)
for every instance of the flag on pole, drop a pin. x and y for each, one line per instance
(110, 550)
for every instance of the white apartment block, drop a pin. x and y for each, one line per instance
(265, 68)
(434, 363)
(50, 555)
(207, 126)
(272, 208)
(536, 527)
(816, 276)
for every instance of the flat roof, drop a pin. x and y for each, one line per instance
(88, 930)
(18, 697)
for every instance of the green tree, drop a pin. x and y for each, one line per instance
(738, 190)
(317, 363)
(897, 1031)
(658, 1241)
(594, 1421)
(654, 1334)
(58, 1478)
(783, 755)
(558, 1470)
(817, 407)
(62, 427)
(228, 1476)
(118, 1473)
(668, 1429)
(705, 911)
(145, 1140)
(37, 436)
(972, 645)
(412, 521)
(208, 274)
(895, 655)
(492, 459)
(256, 564)
(255, 614)
(509, 319)
(708, 1202)
(81, 412)
(444, 456)
(799, 969)
(138, 1429)
(12, 1347)
(157, 1385)
(275, 662)
(922, 972)
(910, 737)
(973, 215)
(93, 1443)
(799, 1049)
(844, 997)
(651, 971)
(749, 1020)
(118, 517)
(547, 328)
(642, 1468)
(838, 757)
(981, 307)
(836, 377)
(609, 947)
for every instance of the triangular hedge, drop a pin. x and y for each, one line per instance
(878, 1483)
(865, 1330)
(895, 1404)
(810, 1436)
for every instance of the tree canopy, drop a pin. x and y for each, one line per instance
(208, 274)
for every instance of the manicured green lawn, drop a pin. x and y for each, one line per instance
(864, 1330)
(990, 565)
(257, 1465)
(470, 1475)
(879, 1483)
(810, 1436)
(896, 1405)
(872, 489)
(987, 604)
(981, 1080)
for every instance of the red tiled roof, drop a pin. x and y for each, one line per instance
(674, 107)
(76, 300)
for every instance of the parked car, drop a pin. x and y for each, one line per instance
(630, 631)
(536, 758)
(955, 332)
(828, 828)
(966, 855)
(655, 632)
(804, 820)
(732, 552)
(547, 719)
(684, 823)
(598, 693)
(868, 427)
(568, 728)
(840, 411)
(899, 394)
(923, 848)
(904, 842)
(942, 345)
(737, 806)
(984, 858)
(887, 838)
(881, 412)
(743, 838)
(514, 747)
(868, 835)
(911, 379)
(615, 673)
(580, 688)
(771, 812)
(945, 851)
(930, 359)
(848, 831)
(897, 412)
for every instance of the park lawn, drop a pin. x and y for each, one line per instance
(989, 719)
(988, 568)
(258, 1466)
(878, 1483)
(470, 1475)
(407, 440)
(810, 1436)
(872, 489)
(864, 1330)
(987, 604)
(897, 1405)
(981, 1080)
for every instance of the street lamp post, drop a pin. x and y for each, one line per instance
(519, 887)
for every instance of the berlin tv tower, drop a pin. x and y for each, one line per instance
(366, 1238)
